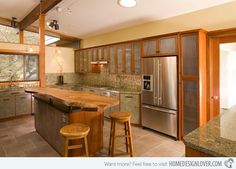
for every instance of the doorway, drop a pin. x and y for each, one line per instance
(227, 76)
(220, 83)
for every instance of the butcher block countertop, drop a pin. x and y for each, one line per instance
(75, 98)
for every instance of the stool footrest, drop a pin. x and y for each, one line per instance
(122, 136)
(75, 147)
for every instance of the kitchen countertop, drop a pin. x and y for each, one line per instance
(76, 98)
(217, 137)
(113, 89)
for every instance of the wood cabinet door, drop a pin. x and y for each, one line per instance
(85, 61)
(100, 53)
(89, 60)
(120, 63)
(137, 57)
(77, 64)
(189, 50)
(81, 61)
(106, 53)
(112, 60)
(168, 45)
(150, 47)
(95, 54)
(190, 106)
(128, 58)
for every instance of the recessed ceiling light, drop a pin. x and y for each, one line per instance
(127, 3)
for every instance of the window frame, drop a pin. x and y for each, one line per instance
(9, 52)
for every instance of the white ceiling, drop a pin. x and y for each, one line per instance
(93, 17)
(17, 8)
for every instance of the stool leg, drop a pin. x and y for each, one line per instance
(86, 146)
(66, 142)
(126, 137)
(113, 138)
(130, 139)
(110, 141)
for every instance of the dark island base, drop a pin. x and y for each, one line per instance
(49, 119)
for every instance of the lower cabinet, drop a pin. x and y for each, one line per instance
(14, 104)
(23, 104)
(7, 106)
(131, 103)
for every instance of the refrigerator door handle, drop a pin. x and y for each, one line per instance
(154, 81)
(160, 109)
(158, 82)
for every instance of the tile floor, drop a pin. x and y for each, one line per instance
(18, 138)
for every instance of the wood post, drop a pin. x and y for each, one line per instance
(21, 35)
(42, 50)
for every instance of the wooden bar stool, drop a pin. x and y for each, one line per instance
(120, 117)
(75, 131)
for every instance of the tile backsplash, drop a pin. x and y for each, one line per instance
(126, 82)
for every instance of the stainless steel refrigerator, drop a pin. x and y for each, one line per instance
(159, 94)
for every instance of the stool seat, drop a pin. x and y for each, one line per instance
(121, 115)
(75, 130)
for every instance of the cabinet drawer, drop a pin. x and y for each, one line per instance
(127, 99)
(23, 104)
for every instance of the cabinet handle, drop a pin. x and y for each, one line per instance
(6, 99)
(129, 97)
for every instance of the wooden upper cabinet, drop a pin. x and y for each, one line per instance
(128, 58)
(95, 54)
(112, 53)
(168, 45)
(100, 53)
(105, 53)
(85, 61)
(189, 49)
(77, 61)
(120, 60)
(90, 52)
(81, 61)
(136, 60)
(150, 47)
(161, 46)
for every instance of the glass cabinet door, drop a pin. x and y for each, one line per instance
(128, 53)
(100, 57)
(89, 60)
(95, 54)
(85, 60)
(190, 106)
(189, 54)
(150, 47)
(168, 45)
(137, 57)
(120, 59)
(81, 61)
(105, 53)
(112, 60)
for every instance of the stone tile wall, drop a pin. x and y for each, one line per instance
(126, 82)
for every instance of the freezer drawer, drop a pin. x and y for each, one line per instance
(160, 119)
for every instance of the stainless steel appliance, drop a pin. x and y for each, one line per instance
(159, 94)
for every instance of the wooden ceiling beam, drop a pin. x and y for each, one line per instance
(45, 6)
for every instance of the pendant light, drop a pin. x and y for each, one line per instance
(127, 3)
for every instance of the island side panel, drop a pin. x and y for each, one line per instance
(48, 122)
(94, 119)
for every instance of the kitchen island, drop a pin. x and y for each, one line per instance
(55, 108)
(217, 138)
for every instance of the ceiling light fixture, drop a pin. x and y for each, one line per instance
(54, 24)
(127, 3)
(13, 22)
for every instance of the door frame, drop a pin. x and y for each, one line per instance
(215, 38)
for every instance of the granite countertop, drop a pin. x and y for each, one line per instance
(114, 89)
(76, 98)
(217, 137)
